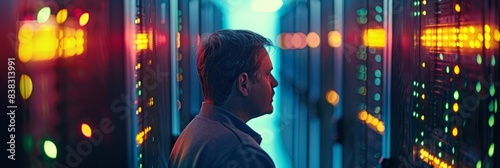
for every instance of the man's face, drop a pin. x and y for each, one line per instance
(261, 90)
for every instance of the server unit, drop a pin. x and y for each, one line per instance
(448, 81)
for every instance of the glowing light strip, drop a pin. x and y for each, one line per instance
(433, 160)
(141, 136)
(461, 37)
(371, 121)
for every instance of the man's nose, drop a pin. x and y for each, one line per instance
(275, 82)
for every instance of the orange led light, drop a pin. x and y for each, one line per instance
(334, 39)
(332, 97)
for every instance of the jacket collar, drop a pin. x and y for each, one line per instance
(222, 115)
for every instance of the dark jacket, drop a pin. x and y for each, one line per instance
(217, 138)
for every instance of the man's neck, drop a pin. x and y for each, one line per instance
(236, 109)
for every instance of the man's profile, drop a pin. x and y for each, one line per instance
(235, 75)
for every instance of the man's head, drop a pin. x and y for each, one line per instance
(235, 64)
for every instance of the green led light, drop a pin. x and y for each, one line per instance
(423, 85)
(452, 161)
(139, 92)
(361, 12)
(378, 18)
(416, 105)
(361, 76)
(361, 106)
(376, 97)
(490, 106)
(378, 9)
(447, 69)
(491, 121)
(362, 68)
(416, 115)
(446, 106)
(414, 93)
(377, 81)
(43, 15)
(422, 143)
(491, 150)
(479, 164)
(414, 13)
(362, 90)
(493, 60)
(362, 49)
(378, 58)
(446, 117)
(440, 143)
(378, 73)
(416, 140)
(28, 142)
(50, 149)
(415, 3)
(453, 150)
(496, 105)
(361, 55)
(440, 154)
(140, 165)
(478, 87)
(377, 109)
(417, 83)
(479, 60)
(422, 133)
(362, 20)
(441, 57)
(492, 90)
(414, 83)
(456, 95)
(140, 156)
(445, 129)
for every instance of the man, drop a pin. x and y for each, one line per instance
(235, 75)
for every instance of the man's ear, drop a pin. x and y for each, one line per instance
(242, 83)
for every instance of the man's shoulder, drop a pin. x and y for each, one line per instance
(211, 131)
(205, 141)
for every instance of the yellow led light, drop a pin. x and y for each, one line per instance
(455, 107)
(363, 115)
(454, 132)
(496, 35)
(487, 28)
(457, 7)
(375, 38)
(456, 69)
